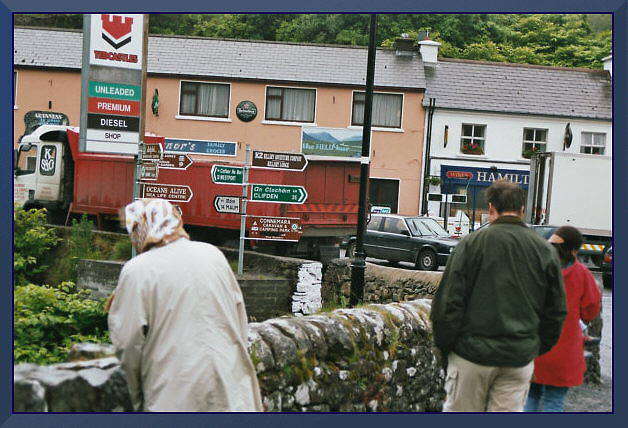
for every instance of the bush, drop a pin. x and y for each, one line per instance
(31, 242)
(48, 320)
(81, 244)
(121, 250)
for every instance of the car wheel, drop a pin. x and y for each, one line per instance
(426, 260)
(607, 280)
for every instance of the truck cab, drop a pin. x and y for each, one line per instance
(41, 162)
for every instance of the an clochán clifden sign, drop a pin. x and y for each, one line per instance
(116, 40)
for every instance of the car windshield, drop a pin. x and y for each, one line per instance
(426, 227)
(545, 231)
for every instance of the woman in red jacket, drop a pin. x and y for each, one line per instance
(563, 366)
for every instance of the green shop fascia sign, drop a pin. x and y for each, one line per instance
(116, 91)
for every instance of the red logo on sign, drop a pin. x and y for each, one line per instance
(116, 30)
(460, 174)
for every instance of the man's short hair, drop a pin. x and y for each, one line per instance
(505, 196)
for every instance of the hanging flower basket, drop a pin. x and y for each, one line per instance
(433, 180)
(469, 148)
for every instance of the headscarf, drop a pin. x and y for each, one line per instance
(153, 222)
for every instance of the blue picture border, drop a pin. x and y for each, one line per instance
(620, 211)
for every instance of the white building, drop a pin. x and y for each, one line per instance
(488, 117)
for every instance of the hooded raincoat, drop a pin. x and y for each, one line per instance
(179, 325)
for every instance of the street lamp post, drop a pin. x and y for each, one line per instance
(358, 264)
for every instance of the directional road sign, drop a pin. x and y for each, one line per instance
(152, 152)
(172, 161)
(169, 192)
(149, 171)
(223, 174)
(275, 228)
(227, 204)
(277, 160)
(278, 193)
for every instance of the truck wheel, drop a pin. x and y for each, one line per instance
(426, 260)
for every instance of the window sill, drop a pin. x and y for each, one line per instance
(15, 107)
(278, 122)
(205, 119)
(378, 129)
(464, 156)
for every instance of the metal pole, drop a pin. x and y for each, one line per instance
(85, 70)
(428, 145)
(358, 264)
(140, 147)
(245, 193)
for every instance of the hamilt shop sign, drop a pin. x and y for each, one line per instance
(116, 40)
(453, 176)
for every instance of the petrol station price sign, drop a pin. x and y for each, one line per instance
(274, 228)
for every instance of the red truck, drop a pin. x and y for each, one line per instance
(50, 172)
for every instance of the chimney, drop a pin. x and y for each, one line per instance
(429, 51)
(608, 64)
(404, 46)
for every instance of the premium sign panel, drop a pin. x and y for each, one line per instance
(111, 106)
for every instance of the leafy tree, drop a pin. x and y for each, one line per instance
(552, 39)
(48, 320)
(32, 241)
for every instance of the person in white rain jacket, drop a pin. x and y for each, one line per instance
(178, 322)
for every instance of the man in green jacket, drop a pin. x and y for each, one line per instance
(500, 304)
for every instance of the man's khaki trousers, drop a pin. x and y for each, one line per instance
(471, 387)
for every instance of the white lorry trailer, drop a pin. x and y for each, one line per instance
(573, 189)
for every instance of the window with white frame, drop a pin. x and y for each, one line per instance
(472, 139)
(534, 141)
(204, 99)
(593, 143)
(290, 104)
(386, 111)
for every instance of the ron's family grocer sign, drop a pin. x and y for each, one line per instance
(200, 147)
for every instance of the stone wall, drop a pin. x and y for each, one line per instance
(271, 286)
(381, 284)
(99, 277)
(372, 358)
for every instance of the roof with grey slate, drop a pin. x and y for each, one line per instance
(232, 59)
(520, 88)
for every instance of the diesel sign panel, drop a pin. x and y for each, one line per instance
(114, 123)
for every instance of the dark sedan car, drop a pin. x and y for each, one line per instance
(420, 240)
